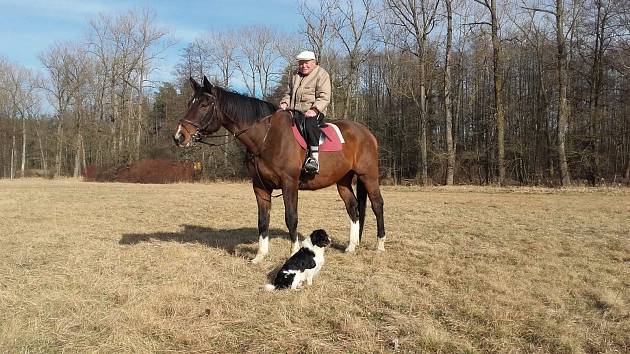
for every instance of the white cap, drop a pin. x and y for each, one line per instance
(306, 55)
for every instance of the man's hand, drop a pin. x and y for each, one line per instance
(283, 106)
(310, 113)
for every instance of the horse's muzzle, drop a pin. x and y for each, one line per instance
(179, 139)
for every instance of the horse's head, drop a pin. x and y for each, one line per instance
(202, 117)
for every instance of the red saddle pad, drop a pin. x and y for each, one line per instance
(332, 138)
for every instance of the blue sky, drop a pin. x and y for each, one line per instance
(27, 27)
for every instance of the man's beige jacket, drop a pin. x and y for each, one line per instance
(313, 90)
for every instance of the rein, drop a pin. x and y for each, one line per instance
(252, 156)
(199, 138)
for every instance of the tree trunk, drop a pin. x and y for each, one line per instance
(83, 162)
(140, 102)
(422, 121)
(129, 140)
(596, 77)
(44, 164)
(332, 99)
(13, 157)
(115, 152)
(59, 146)
(77, 157)
(346, 106)
(448, 105)
(563, 119)
(23, 165)
(498, 90)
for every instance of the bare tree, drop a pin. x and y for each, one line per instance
(126, 47)
(20, 85)
(498, 72)
(258, 58)
(221, 50)
(60, 88)
(448, 105)
(557, 10)
(319, 34)
(319, 27)
(418, 18)
(352, 25)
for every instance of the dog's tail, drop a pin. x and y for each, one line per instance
(270, 287)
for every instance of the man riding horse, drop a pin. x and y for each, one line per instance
(275, 157)
(309, 93)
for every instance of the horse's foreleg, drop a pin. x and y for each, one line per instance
(344, 187)
(263, 199)
(290, 196)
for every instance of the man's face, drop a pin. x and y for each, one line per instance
(306, 66)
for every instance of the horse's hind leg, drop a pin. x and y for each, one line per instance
(263, 199)
(374, 193)
(344, 187)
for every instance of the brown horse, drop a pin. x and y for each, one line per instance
(274, 159)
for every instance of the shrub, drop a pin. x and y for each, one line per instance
(95, 173)
(144, 171)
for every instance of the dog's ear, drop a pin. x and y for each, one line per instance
(320, 238)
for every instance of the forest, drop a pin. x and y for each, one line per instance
(501, 92)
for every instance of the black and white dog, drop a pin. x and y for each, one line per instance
(304, 264)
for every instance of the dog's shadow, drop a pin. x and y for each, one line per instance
(234, 241)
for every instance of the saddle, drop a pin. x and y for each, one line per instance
(330, 138)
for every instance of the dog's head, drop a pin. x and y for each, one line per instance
(320, 238)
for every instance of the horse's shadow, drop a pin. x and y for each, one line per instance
(232, 241)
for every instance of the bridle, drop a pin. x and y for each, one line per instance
(199, 137)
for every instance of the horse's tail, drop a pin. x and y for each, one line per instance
(362, 199)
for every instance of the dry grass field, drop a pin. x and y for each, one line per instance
(116, 268)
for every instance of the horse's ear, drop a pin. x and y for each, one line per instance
(206, 84)
(195, 86)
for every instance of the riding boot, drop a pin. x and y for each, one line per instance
(313, 133)
(312, 163)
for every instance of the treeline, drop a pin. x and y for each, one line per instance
(484, 91)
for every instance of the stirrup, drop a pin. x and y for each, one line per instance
(311, 166)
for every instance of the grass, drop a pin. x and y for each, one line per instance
(88, 267)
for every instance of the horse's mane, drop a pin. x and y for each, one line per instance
(241, 108)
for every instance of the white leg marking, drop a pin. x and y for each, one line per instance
(381, 244)
(263, 249)
(354, 236)
(295, 247)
